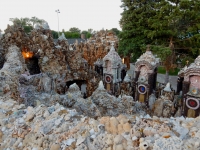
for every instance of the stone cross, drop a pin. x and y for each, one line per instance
(148, 47)
(187, 62)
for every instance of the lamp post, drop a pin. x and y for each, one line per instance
(58, 11)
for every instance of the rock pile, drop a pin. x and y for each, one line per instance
(9, 74)
(41, 54)
(56, 127)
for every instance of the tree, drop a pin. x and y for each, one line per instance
(115, 30)
(90, 31)
(20, 22)
(28, 29)
(133, 23)
(69, 34)
(169, 26)
(27, 23)
(74, 29)
(36, 20)
(54, 34)
(87, 34)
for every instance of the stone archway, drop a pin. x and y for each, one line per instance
(81, 84)
(32, 65)
(2, 58)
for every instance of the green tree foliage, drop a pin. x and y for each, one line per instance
(170, 26)
(115, 30)
(28, 29)
(35, 20)
(20, 21)
(54, 34)
(87, 34)
(159, 22)
(27, 23)
(69, 34)
(75, 30)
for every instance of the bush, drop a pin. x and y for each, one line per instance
(172, 72)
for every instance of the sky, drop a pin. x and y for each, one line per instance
(83, 14)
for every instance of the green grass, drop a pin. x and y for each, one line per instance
(172, 72)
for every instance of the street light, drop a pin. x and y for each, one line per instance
(58, 11)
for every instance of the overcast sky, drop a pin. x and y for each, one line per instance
(83, 14)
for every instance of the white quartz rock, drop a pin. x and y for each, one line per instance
(181, 130)
(101, 86)
(80, 140)
(173, 143)
(69, 141)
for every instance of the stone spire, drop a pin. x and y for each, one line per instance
(127, 78)
(62, 37)
(167, 88)
(101, 86)
(148, 48)
(112, 46)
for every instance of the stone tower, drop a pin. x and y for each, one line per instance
(189, 84)
(145, 76)
(112, 67)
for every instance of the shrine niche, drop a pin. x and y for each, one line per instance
(99, 66)
(112, 68)
(31, 61)
(82, 84)
(189, 78)
(145, 76)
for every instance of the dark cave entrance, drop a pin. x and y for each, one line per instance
(123, 74)
(2, 58)
(81, 84)
(31, 60)
(32, 65)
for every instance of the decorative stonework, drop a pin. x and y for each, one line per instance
(112, 64)
(62, 37)
(145, 76)
(191, 89)
(147, 59)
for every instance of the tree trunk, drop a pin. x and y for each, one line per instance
(166, 77)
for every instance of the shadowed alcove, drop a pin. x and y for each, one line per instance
(81, 84)
(31, 61)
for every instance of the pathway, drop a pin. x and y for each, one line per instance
(160, 77)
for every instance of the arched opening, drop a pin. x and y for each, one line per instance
(32, 65)
(123, 74)
(31, 61)
(2, 58)
(81, 84)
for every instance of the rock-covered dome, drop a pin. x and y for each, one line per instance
(149, 59)
(192, 68)
(113, 56)
(196, 63)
